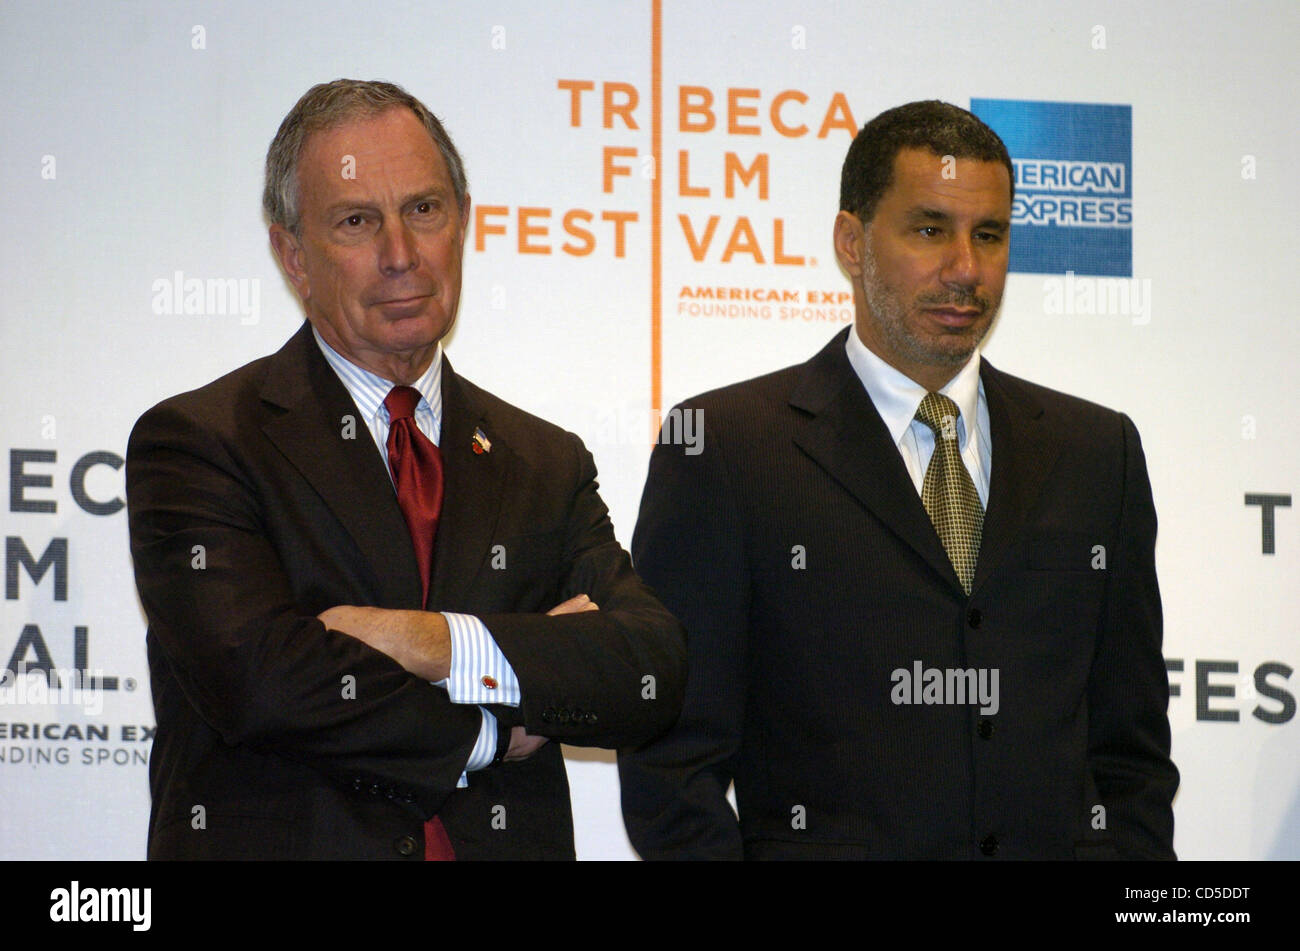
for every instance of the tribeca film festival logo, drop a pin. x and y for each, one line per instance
(698, 180)
(43, 669)
(1073, 209)
(31, 476)
(179, 295)
(78, 904)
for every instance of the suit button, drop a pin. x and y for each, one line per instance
(989, 845)
(358, 785)
(375, 790)
(590, 719)
(548, 715)
(984, 728)
(406, 845)
(563, 715)
(974, 618)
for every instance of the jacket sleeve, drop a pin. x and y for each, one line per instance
(689, 547)
(606, 678)
(257, 668)
(1128, 689)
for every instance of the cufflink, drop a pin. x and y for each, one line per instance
(489, 682)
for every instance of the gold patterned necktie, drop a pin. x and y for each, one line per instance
(948, 493)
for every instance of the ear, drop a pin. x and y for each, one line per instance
(288, 249)
(464, 219)
(850, 240)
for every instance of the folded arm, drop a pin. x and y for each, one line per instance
(421, 642)
(258, 668)
(603, 677)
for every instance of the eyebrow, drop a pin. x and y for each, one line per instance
(922, 213)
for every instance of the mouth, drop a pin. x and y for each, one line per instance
(952, 316)
(406, 299)
(403, 306)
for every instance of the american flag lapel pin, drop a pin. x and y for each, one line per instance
(481, 443)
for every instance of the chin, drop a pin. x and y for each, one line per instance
(946, 356)
(411, 334)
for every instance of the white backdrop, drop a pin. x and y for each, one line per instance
(132, 153)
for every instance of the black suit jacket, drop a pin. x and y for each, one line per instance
(796, 551)
(259, 501)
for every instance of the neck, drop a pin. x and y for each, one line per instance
(404, 367)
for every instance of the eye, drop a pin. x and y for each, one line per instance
(988, 237)
(425, 208)
(929, 231)
(353, 221)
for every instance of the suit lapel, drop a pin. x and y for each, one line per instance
(848, 439)
(472, 495)
(1024, 450)
(307, 425)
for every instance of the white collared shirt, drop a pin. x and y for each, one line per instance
(475, 656)
(897, 397)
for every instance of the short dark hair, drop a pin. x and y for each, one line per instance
(940, 127)
(326, 106)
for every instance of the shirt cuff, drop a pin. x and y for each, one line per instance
(485, 749)
(480, 672)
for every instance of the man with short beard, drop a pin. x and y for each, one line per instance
(920, 594)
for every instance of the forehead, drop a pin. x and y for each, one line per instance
(922, 178)
(358, 154)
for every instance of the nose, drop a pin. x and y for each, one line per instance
(397, 247)
(961, 268)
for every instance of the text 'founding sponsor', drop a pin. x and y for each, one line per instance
(788, 304)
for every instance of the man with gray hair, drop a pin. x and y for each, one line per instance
(374, 590)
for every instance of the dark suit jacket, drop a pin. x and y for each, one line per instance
(797, 553)
(259, 501)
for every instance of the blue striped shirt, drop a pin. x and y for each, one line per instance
(475, 656)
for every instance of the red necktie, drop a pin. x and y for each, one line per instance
(416, 465)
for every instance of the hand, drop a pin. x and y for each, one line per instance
(574, 605)
(418, 640)
(522, 745)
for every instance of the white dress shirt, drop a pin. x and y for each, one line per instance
(475, 656)
(897, 397)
